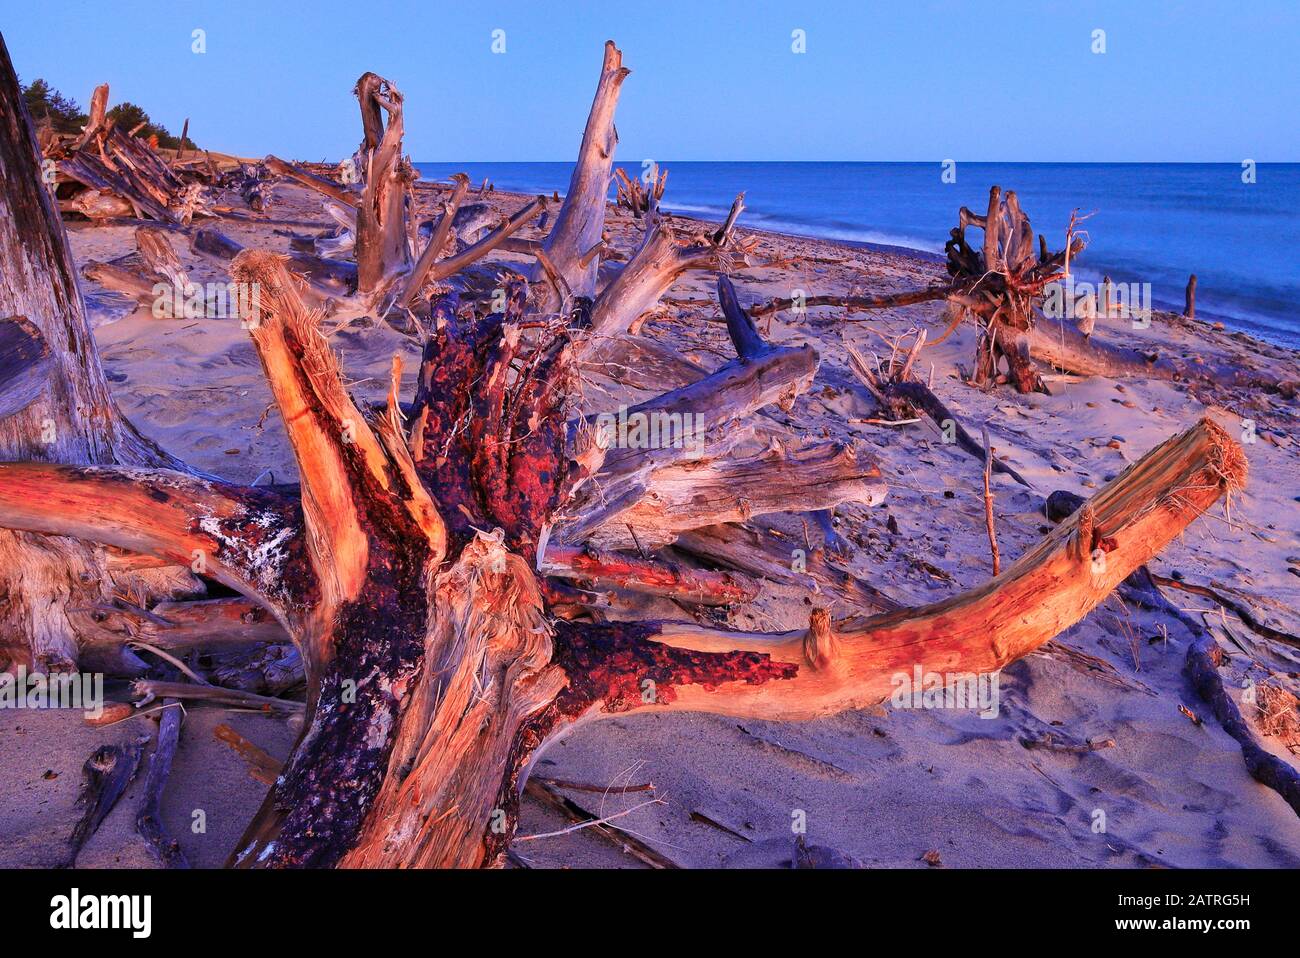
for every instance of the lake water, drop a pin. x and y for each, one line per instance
(1152, 222)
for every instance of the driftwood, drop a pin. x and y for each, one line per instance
(641, 363)
(1001, 285)
(763, 551)
(662, 578)
(210, 623)
(1204, 657)
(659, 262)
(148, 820)
(636, 197)
(106, 172)
(903, 396)
(1202, 667)
(70, 418)
(107, 773)
(404, 567)
(322, 185)
(25, 364)
(689, 495)
(581, 220)
(383, 244)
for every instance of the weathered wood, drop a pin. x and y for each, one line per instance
(454, 264)
(25, 364)
(336, 192)
(1059, 343)
(158, 255)
(383, 246)
(758, 549)
(121, 280)
(688, 495)
(658, 263)
(263, 767)
(855, 303)
(210, 623)
(1048, 589)
(437, 242)
(581, 220)
(641, 363)
(434, 668)
(148, 821)
(899, 396)
(107, 773)
(326, 278)
(150, 690)
(108, 162)
(651, 577)
(72, 419)
(1202, 667)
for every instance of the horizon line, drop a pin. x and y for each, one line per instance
(1236, 163)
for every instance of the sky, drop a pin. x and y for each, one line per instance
(912, 80)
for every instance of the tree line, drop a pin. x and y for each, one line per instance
(47, 105)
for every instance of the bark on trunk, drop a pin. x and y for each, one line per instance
(73, 418)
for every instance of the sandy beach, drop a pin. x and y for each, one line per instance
(1090, 728)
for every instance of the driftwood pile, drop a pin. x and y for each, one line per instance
(446, 571)
(106, 173)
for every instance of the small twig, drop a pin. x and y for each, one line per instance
(587, 787)
(168, 657)
(590, 822)
(988, 502)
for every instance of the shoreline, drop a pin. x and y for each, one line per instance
(1243, 286)
(927, 258)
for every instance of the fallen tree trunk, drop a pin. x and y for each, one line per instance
(761, 550)
(688, 495)
(335, 191)
(1060, 344)
(1048, 589)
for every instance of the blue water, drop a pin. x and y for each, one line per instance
(1153, 222)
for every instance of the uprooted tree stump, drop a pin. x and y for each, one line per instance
(405, 566)
(1001, 286)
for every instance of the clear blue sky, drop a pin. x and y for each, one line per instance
(712, 80)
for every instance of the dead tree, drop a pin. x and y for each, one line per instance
(382, 247)
(1001, 286)
(571, 244)
(636, 197)
(57, 403)
(404, 567)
